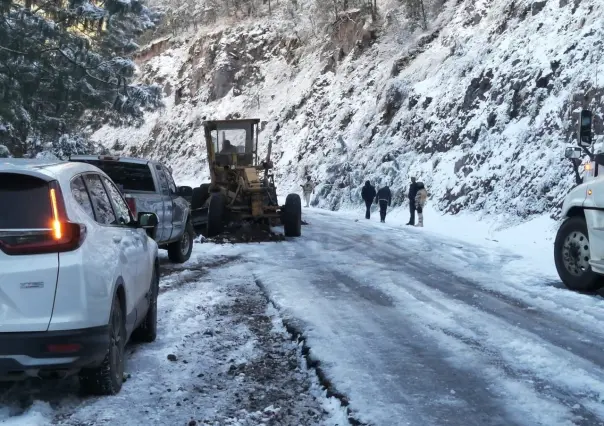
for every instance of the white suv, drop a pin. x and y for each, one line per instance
(78, 274)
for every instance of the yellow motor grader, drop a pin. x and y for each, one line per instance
(242, 186)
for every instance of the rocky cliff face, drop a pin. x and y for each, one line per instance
(479, 107)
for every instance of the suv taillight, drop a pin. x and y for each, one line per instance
(61, 235)
(131, 201)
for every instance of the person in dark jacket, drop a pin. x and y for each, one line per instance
(368, 193)
(384, 199)
(413, 188)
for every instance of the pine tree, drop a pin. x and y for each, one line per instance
(62, 58)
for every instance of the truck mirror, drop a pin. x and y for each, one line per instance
(573, 153)
(585, 126)
(599, 159)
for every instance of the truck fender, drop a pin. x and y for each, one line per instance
(576, 200)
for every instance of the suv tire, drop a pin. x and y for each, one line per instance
(107, 378)
(146, 332)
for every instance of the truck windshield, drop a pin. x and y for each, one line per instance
(129, 176)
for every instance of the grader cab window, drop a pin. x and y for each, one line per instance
(230, 141)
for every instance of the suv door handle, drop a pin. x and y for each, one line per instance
(117, 239)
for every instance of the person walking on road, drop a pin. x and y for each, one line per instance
(420, 202)
(384, 199)
(368, 194)
(308, 188)
(412, 193)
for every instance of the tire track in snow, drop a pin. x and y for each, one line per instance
(545, 324)
(545, 329)
(422, 388)
(474, 335)
(541, 325)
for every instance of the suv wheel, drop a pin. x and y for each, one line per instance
(180, 251)
(147, 330)
(107, 378)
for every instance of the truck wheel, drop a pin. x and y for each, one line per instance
(571, 255)
(180, 251)
(200, 196)
(107, 378)
(147, 331)
(292, 216)
(216, 214)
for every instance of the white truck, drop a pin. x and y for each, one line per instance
(579, 244)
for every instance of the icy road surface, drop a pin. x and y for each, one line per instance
(410, 327)
(421, 330)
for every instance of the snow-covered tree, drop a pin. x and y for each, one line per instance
(61, 58)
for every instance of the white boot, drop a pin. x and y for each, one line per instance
(420, 220)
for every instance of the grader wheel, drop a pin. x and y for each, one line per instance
(292, 216)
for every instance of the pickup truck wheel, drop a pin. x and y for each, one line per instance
(292, 216)
(107, 378)
(180, 251)
(571, 255)
(216, 214)
(147, 331)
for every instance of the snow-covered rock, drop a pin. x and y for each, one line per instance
(479, 107)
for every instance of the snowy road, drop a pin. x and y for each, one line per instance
(426, 331)
(410, 327)
(222, 357)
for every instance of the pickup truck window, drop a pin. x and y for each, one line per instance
(130, 176)
(163, 180)
(170, 182)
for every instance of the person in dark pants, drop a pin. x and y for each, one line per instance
(384, 199)
(413, 188)
(368, 194)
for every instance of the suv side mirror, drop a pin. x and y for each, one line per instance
(149, 222)
(573, 153)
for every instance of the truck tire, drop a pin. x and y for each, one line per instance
(292, 216)
(146, 332)
(216, 214)
(200, 196)
(107, 378)
(571, 255)
(180, 251)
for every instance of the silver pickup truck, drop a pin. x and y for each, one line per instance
(148, 186)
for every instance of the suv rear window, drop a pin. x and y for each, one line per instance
(128, 176)
(25, 202)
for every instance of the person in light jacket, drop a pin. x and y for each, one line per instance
(308, 188)
(420, 201)
(368, 194)
(384, 199)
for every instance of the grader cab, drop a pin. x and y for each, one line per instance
(242, 185)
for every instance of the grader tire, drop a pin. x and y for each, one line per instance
(292, 216)
(216, 212)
